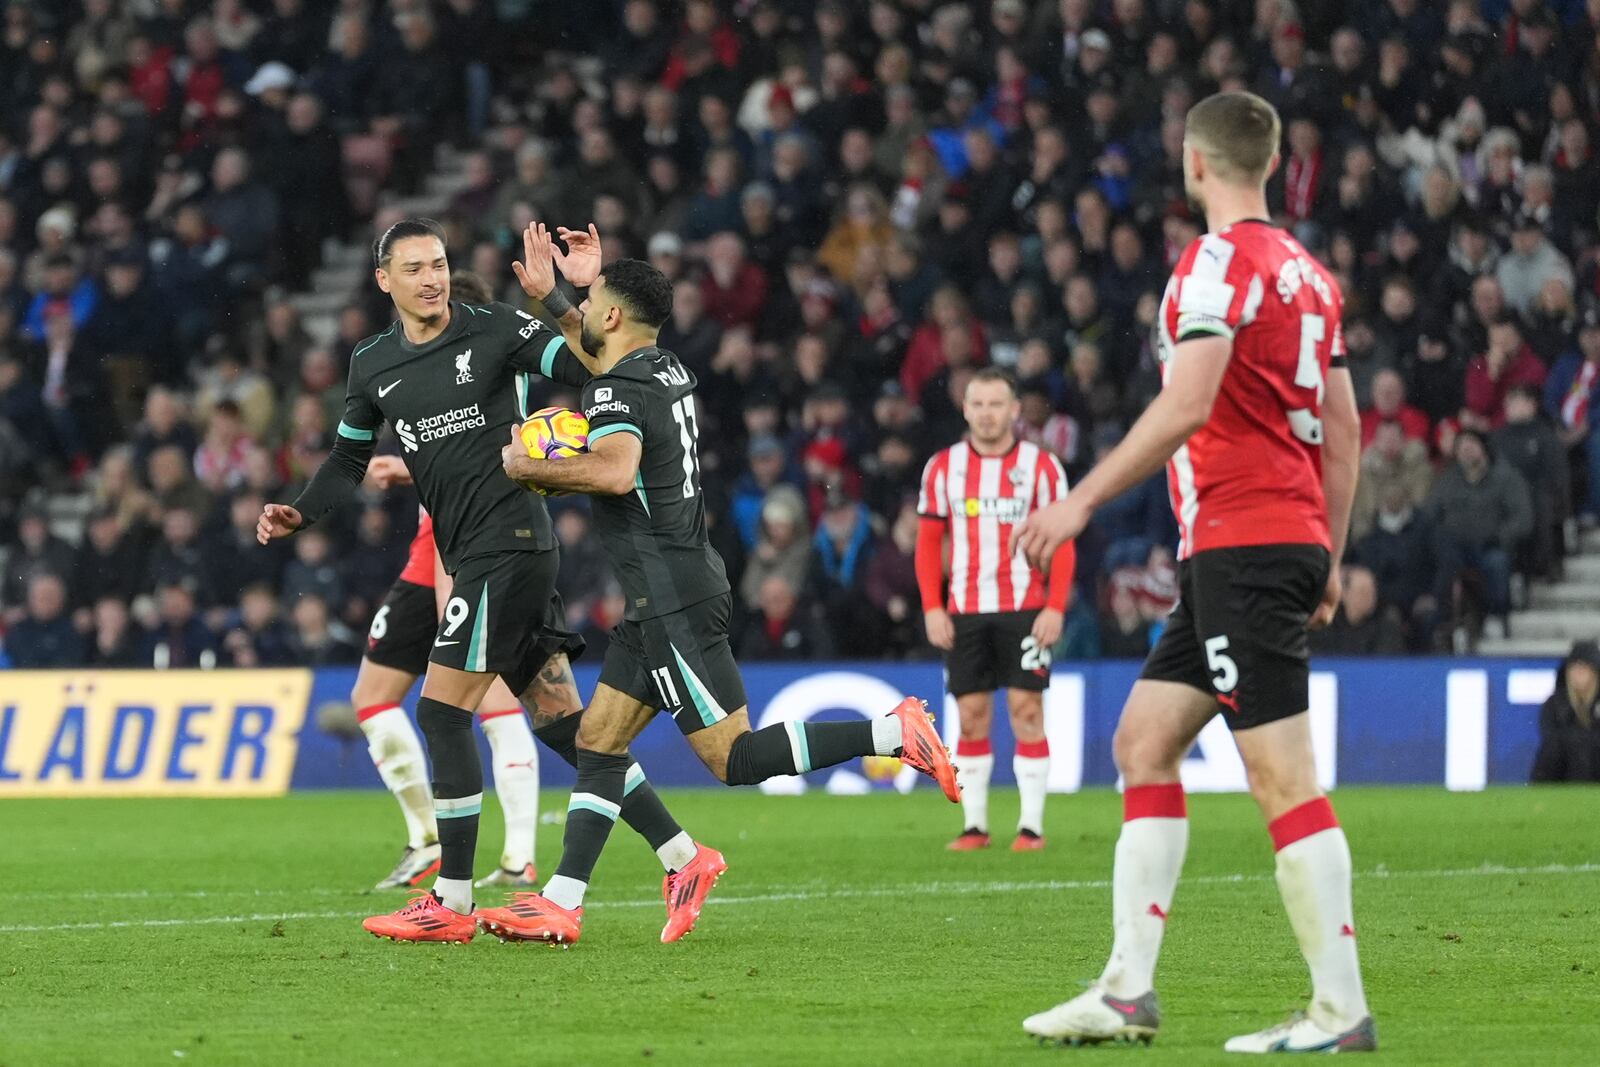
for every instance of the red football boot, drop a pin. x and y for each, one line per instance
(532, 917)
(686, 891)
(424, 918)
(921, 747)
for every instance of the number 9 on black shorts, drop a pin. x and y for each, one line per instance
(497, 620)
(994, 651)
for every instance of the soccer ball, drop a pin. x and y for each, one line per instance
(554, 433)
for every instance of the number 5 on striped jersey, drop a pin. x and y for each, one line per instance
(1308, 375)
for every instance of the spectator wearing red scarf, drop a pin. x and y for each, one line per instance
(1303, 173)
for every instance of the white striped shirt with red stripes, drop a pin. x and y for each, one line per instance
(982, 499)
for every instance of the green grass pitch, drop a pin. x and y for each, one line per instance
(226, 932)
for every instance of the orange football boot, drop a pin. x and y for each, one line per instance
(969, 841)
(532, 917)
(686, 891)
(1028, 841)
(424, 918)
(921, 747)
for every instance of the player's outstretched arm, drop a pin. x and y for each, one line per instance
(541, 352)
(1181, 408)
(333, 483)
(607, 469)
(536, 273)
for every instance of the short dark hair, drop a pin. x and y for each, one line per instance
(383, 247)
(646, 292)
(469, 287)
(992, 373)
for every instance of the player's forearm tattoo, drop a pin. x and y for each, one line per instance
(553, 694)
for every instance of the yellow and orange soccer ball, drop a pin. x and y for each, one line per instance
(554, 433)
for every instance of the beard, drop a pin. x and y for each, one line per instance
(592, 342)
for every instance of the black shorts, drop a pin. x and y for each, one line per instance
(1239, 629)
(403, 630)
(994, 651)
(503, 617)
(401, 634)
(680, 662)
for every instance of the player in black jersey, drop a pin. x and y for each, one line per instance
(448, 376)
(671, 650)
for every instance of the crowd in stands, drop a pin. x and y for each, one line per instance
(858, 203)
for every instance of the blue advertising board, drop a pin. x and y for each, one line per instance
(1461, 723)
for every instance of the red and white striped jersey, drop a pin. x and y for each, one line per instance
(1252, 475)
(981, 499)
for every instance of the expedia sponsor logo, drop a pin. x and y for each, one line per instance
(611, 405)
(456, 420)
(1008, 509)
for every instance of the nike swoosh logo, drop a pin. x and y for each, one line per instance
(383, 391)
(441, 644)
(1124, 1007)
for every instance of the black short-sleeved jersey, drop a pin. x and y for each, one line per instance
(451, 402)
(656, 535)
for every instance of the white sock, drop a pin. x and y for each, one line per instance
(1149, 857)
(455, 893)
(973, 772)
(886, 735)
(396, 751)
(1314, 878)
(676, 854)
(516, 783)
(1033, 782)
(565, 892)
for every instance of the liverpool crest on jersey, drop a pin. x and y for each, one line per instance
(464, 367)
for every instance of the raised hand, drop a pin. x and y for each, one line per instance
(277, 520)
(580, 264)
(537, 275)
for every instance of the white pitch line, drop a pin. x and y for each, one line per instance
(1487, 870)
(805, 894)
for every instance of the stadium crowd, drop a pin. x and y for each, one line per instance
(859, 203)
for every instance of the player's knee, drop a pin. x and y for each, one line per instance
(598, 735)
(1027, 711)
(1142, 757)
(1278, 787)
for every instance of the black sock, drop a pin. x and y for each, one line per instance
(457, 783)
(596, 802)
(642, 809)
(796, 747)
